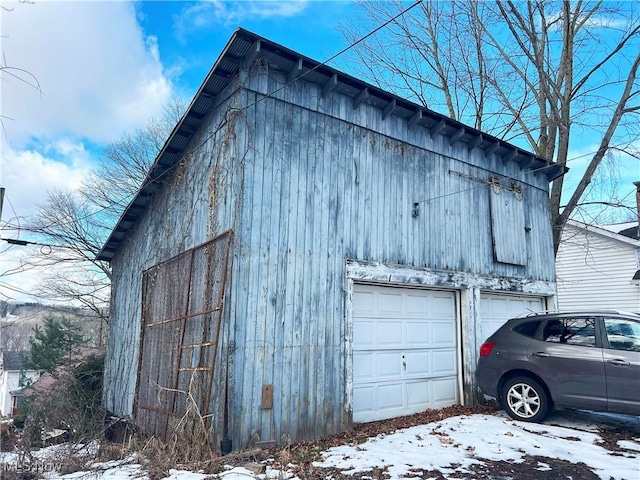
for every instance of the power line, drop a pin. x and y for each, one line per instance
(120, 201)
(24, 243)
(246, 107)
(333, 57)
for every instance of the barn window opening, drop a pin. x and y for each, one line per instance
(508, 229)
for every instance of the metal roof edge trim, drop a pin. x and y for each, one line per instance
(107, 253)
(551, 170)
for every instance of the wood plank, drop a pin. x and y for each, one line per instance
(415, 118)
(330, 86)
(437, 128)
(457, 135)
(389, 109)
(362, 97)
(252, 55)
(295, 72)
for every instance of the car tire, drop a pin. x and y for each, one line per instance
(525, 399)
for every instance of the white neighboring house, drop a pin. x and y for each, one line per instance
(598, 267)
(11, 372)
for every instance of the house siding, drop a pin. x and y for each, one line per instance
(307, 183)
(10, 381)
(595, 272)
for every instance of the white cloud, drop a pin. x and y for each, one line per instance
(28, 175)
(98, 73)
(212, 12)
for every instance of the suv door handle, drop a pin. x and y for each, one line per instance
(541, 354)
(618, 362)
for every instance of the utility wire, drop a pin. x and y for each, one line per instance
(271, 94)
(121, 201)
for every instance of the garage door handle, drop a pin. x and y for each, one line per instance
(541, 354)
(618, 362)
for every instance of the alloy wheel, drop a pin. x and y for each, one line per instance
(523, 400)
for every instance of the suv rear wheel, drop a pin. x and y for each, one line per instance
(525, 399)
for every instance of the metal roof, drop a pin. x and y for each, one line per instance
(242, 50)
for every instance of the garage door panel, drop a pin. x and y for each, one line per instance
(363, 334)
(363, 302)
(418, 363)
(390, 304)
(404, 341)
(390, 396)
(389, 334)
(365, 397)
(444, 362)
(443, 305)
(418, 394)
(495, 309)
(416, 305)
(445, 392)
(364, 367)
(417, 334)
(444, 334)
(389, 365)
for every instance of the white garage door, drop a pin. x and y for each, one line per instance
(497, 309)
(404, 351)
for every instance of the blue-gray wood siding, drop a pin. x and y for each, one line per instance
(305, 183)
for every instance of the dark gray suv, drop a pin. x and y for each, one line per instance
(577, 360)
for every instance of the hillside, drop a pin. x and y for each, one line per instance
(18, 320)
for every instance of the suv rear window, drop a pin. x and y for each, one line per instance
(571, 331)
(623, 334)
(528, 329)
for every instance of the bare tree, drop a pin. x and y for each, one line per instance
(126, 162)
(72, 226)
(71, 232)
(538, 73)
(15, 335)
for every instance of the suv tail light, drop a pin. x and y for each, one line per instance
(486, 348)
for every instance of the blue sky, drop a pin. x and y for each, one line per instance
(191, 35)
(105, 68)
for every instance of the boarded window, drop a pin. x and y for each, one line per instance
(181, 316)
(507, 225)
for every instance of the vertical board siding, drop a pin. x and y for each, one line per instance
(346, 192)
(176, 220)
(305, 183)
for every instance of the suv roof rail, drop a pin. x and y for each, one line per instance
(608, 311)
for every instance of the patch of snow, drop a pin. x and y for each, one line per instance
(185, 475)
(451, 446)
(543, 467)
(454, 444)
(121, 472)
(629, 445)
(237, 473)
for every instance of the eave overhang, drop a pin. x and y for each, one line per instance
(241, 51)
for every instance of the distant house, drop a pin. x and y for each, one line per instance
(309, 251)
(599, 267)
(12, 377)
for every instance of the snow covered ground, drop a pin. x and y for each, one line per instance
(451, 447)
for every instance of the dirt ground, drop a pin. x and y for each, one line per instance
(304, 454)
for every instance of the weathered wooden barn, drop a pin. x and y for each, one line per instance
(309, 251)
